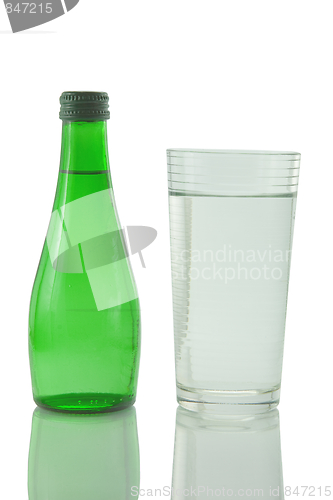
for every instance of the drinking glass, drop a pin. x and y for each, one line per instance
(231, 227)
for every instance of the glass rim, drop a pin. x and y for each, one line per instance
(234, 152)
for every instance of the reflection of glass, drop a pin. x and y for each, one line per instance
(227, 456)
(83, 457)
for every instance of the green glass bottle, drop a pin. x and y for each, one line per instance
(84, 322)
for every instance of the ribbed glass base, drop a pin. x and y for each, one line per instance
(228, 401)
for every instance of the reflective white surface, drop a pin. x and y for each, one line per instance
(83, 456)
(227, 455)
(97, 456)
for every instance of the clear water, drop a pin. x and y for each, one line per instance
(230, 265)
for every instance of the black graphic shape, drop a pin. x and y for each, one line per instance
(104, 249)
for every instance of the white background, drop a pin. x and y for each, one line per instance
(185, 73)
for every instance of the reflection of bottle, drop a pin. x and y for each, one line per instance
(83, 457)
(84, 325)
(227, 455)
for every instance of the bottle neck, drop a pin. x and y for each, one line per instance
(84, 147)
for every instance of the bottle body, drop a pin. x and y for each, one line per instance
(84, 323)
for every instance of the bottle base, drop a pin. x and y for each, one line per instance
(232, 402)
(85, 403)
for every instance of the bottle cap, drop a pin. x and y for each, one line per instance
(84, 106)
